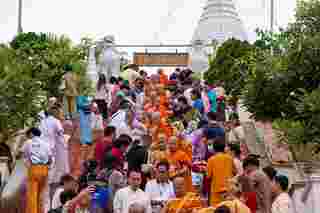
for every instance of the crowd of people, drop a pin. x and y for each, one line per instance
(161, 144)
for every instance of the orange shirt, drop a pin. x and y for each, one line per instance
(220, 170)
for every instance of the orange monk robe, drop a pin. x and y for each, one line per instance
(156, 129)
(158, 156)
(149, 107)
(165, 128)
(188, 203)
(206, 210)
(220, 170)
(235, 206)
(163, 79)
(185, 146)
(178, 160)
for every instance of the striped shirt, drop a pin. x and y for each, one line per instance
(37, 151)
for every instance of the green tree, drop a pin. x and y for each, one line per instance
(302, 131)
(275, 42)
(20, 94)
(48, 54)
(230, 65)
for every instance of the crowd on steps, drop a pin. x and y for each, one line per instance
(146, 144)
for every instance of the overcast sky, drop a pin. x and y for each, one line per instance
(140, 21)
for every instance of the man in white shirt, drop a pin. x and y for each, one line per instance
(131, 194)
(38, 155)
(160, 189)
(282, 202)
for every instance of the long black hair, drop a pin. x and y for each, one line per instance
(102, 81)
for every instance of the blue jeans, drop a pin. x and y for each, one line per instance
(85, 128)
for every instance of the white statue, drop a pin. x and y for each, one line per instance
(109, 60)
(92, 66)
(199, 58)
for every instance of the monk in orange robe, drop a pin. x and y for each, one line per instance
(163, 77)
(180, 163)
(185, 146)
(185, 202)
(158, 150)
(153, 104)
(221, 169)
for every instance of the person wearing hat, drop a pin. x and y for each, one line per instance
(282, 202)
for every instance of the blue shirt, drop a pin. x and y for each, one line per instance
(198, 104)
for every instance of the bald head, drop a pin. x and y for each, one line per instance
(173, 144)
(156, 116)
(179, 186)
(137, 208)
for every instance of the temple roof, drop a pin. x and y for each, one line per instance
(219, 20)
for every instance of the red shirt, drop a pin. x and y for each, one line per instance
(117, 153)
(101, 146)
(251, 201)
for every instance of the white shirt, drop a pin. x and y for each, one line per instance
(126, 197)
(282, 204)
(56, 203)
(52, 131)
(37, 151)
(160, 191)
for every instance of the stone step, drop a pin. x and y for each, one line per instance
(255, 143)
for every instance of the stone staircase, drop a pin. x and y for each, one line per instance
(256, 143)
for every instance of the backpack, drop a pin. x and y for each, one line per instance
(58, 210)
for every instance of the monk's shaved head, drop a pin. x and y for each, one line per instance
(178, 180)
(137, 208)
(172, 144)
(179, 186)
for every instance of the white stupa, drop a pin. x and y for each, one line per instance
(219, 21)
(92, 70)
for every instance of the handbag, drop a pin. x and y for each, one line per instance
(146, 167)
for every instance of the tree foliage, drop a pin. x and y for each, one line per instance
(230, 65)
(48, 54)
(20, 94)
(275, 42)
(287, 89)
(31, 69)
